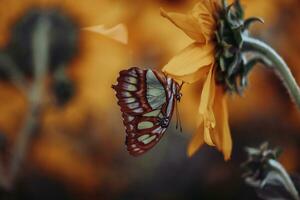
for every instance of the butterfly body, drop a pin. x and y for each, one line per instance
(147, 100)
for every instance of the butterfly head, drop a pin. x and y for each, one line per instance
(178, 96)
(178, 93)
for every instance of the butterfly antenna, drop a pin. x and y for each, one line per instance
(182, 83)
(176, 108)
(179, 119)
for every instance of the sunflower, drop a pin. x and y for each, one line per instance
(195, 62)
(218, 56)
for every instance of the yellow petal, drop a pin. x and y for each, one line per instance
(213, 127)
(187, 24)
(196, 142)
(222, 134)
(226, 135)
(118, 32)
(204, 13)
(191, 64)
(208, 94)
(199, 24)
(206, 117)
(207, 133)
(205, 108)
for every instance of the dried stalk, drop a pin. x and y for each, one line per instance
(40, 44)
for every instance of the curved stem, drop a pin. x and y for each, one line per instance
(282, 69)
(288, 183)
(40, 48)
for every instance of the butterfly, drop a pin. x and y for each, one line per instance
(147, 99)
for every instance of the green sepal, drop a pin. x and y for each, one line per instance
(233, 66)
(229, 37)
(248, 22)
(239, 9)
(227, 53)
(222, 63)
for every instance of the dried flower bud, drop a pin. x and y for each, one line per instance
(63, 39)
(267, 175)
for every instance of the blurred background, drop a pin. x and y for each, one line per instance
(75, 145)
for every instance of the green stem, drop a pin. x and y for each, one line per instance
(40, 48)
(282, 69)
(288, 183)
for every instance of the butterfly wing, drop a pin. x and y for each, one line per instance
(146, 97)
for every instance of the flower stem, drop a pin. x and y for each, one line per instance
(289, 186)
(279, 65)
(40, 48)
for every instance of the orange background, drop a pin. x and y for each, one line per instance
(79, 152)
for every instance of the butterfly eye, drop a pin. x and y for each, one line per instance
(164, 122)
(178, 96)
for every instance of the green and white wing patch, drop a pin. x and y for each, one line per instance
(154, 113)
(146, 139)
(156, 95)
